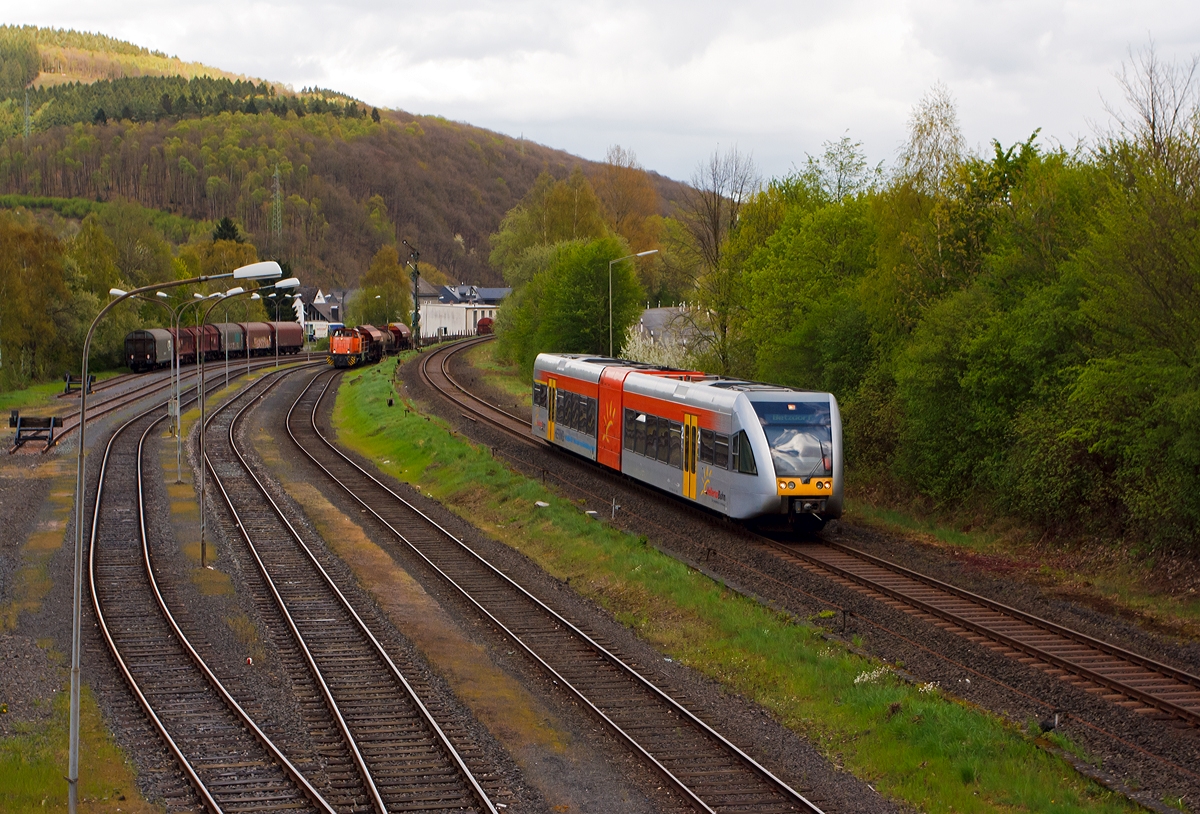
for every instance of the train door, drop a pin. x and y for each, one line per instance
(551, 407)
(691, 438)
(608, 441)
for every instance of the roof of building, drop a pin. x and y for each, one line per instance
(464, 293)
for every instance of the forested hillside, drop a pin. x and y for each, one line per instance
(145, 175)
(1014, 333)
(352, 178)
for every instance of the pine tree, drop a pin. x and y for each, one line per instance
(227, 230)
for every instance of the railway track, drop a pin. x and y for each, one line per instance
(401, 758)
(100, 386)
(230, 762)
(146, 385)
(704, 768)
(1118, 675)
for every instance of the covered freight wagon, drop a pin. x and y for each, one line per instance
(259, 338)
(206, 340)
(149, 349)
(289, 336)
(233, 338)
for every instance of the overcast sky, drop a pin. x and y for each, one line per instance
(673, 80)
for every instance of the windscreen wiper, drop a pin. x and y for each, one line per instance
(820, 463)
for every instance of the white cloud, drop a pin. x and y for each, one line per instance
(673, 79)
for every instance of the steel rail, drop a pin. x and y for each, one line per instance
(440, 737)
(119, 400)
(1191, 713)
(102, 384)
(1052, 627)
(777, 785)
(1042, 653)
(207, 797)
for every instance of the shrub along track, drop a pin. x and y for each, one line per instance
(231, 764)
(702, 766)
(1165, 696)
(399, 755)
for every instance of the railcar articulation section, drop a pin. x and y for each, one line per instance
(743, 449)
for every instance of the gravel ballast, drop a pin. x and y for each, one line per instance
(1156, 757)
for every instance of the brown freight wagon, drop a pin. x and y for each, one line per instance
(373, 342)
(289, 336)
(258, 338)
(401, 336)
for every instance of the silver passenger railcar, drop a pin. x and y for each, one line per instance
(744, 449)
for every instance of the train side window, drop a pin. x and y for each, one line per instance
(664, 440)
(721, 451)
(592, 411)
(651, 436)
(630, 427)
(675, 441)
(639, 438)
(539, 394)
(743, 456)
(706, 446)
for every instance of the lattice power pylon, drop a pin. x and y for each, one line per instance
(277, 213)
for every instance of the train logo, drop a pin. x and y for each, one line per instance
(610, 423)
(715, 494)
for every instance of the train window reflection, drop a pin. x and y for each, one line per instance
(721, 451)
(799, 435)
(664, 440)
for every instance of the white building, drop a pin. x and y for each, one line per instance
(442, 318)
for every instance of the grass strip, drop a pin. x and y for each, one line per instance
(499, 374)
(46, 394)
(33, 764)
(913, 743)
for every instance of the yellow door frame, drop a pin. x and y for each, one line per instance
(691, 437)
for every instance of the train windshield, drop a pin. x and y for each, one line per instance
(800, 436)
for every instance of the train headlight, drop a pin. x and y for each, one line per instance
(820, 485)
(782, 485)
(791, 484)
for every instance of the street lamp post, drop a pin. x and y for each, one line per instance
(172, 314)
(254, 271)
(254, 296)
(610, 309)
(219, 297)
(225, 342)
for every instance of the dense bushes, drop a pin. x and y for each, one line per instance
(1024, 335)
(1015, 333)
